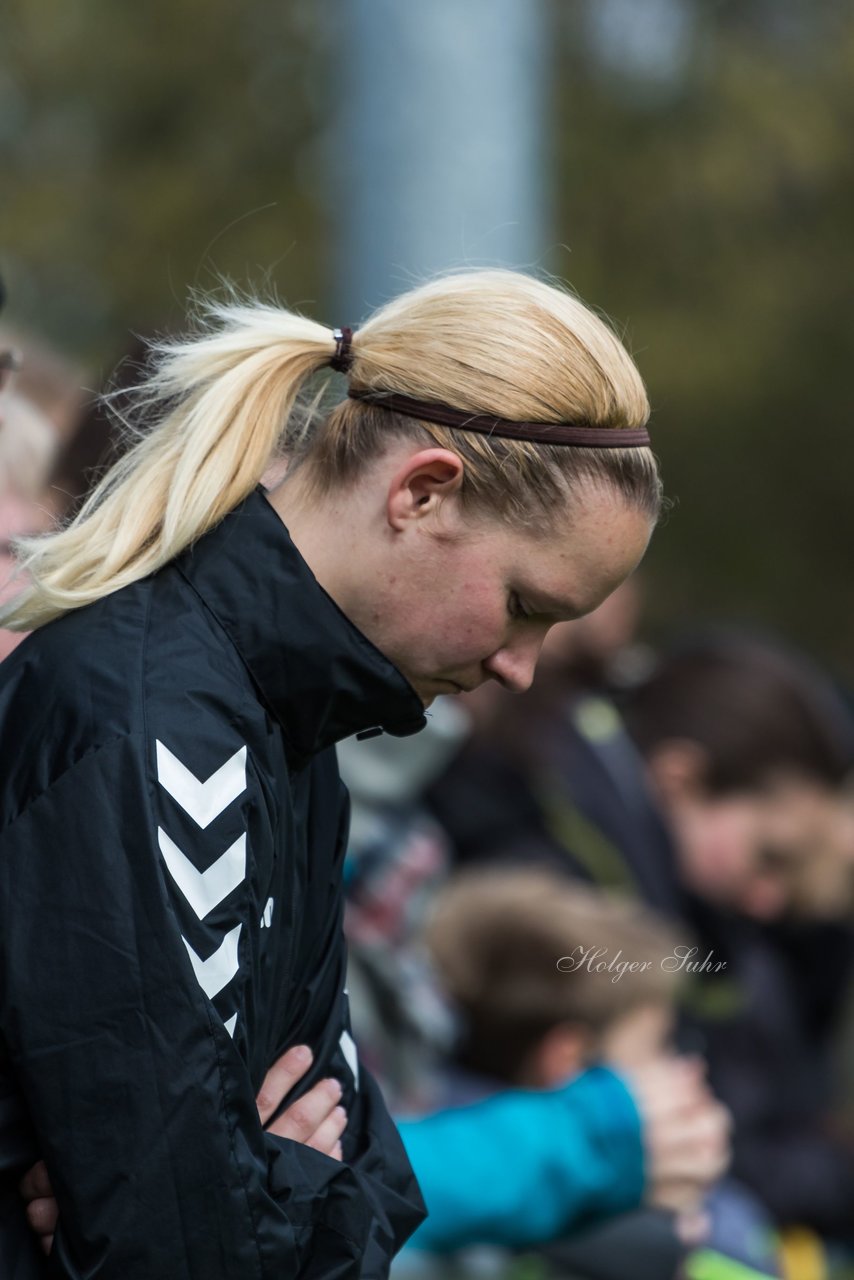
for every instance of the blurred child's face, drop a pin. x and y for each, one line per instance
(640, 1037)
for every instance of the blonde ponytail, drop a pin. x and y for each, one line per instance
(219, 404)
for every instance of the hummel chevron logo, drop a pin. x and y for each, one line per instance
(204, 890)
(204, 801)
(348, 1048)
(217, 971)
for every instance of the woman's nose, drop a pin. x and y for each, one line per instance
(514, 666)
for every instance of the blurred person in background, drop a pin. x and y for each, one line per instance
(28, 448)
(198, 649)
(517, 950)
(99, 435)
(707, 803)
(750, 751)
(397, 859)
(10, 362)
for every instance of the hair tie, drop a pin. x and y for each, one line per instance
(342, 360)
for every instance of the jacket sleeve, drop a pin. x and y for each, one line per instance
(142, 1107)
(525, 1167)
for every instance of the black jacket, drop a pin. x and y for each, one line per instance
(172, 827)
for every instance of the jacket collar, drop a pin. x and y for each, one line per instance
(320, 676)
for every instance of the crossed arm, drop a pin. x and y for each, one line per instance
(317, 1120)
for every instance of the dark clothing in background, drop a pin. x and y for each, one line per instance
(571, 793)
(172, 831)
(771, 1065)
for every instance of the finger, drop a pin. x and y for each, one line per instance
(35, 1182)
(302, 1119)
(337, 1152)
(43, 1216)
(707, 1127)
(697, 1161)
(663, 1091)
(46, 1243)
(281, 1078)
(700, 1164)
(697, 1168)
(665, 1070)
(326, 1136)
(680, 1105)
(680, 1101)
(678, 1197)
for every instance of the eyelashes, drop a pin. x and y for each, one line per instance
(515, 607)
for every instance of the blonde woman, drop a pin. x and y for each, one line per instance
(172, 823)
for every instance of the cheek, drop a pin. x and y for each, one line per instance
(474, 620)
(733, 839)
(721, 837)
(765, 897)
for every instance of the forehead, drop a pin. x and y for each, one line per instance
(588, 552)
(790, 801)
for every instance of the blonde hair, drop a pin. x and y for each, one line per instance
(220, 407)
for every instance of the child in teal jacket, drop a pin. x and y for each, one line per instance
(550, 980)
(525, 1166)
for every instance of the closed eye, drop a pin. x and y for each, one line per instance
(516, 608)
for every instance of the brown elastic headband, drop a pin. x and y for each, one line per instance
(543, 432)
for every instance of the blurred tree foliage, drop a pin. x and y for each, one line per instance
(146, 148)
(714, 210)
(705, 200)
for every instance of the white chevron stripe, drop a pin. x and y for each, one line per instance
(204, 801)
(204, 890)
(351, 1055)
(231, 1024)
(217, 971)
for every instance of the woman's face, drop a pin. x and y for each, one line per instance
(748, 850)
(464, 601)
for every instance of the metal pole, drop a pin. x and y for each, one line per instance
(439, 149)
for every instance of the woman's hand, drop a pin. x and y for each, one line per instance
(315, 1119)
(42, 1213)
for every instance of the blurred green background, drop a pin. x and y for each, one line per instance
(700, 175)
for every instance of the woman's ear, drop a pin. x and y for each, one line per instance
(678, 769)
(421, 483)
